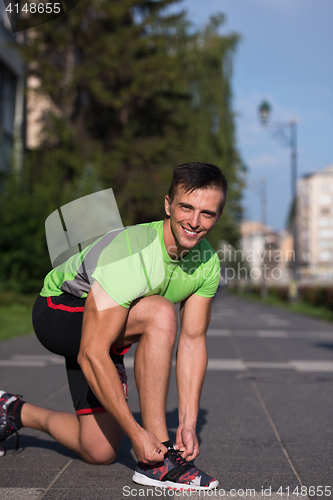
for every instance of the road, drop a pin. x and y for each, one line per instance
(265, 422)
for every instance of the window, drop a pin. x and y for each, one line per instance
(324, 221)
(305, 189)
(326, 233)
(306, 200)
(325, 256)
(326, 244)
(306, 256)
(325, 199)
(7, 117)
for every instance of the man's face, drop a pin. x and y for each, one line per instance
(192, 215)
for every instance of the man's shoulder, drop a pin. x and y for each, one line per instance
(136, 238)
(156, 224)
(206, 245)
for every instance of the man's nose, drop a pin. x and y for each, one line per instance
(194, 220)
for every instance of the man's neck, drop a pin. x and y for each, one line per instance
(175, 252)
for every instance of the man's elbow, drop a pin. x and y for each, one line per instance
(84, 358)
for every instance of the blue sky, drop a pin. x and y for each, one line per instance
(285, 56)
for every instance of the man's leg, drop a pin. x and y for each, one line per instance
(96, 438)
(155, 318)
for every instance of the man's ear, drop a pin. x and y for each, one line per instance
(167, 203)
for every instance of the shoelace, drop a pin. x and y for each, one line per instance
(176, 455)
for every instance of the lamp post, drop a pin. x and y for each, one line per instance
(285, 133)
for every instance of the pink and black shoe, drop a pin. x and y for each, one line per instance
(8, 406)
(174, 473)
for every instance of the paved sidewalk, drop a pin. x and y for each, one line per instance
(265, 422)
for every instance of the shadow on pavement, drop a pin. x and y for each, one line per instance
(124, 456)
(34, 442)
(323, 345)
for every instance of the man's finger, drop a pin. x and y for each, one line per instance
(160, 452)
(163, 449)
(190, 456)
(189, 451)
(158, 456)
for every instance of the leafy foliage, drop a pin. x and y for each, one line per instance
(134, 91)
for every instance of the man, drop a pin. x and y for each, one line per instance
(94, 307)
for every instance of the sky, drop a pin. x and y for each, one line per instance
(285, 57)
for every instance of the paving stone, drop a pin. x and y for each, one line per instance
(237, 436)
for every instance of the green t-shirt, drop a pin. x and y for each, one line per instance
(133, 262)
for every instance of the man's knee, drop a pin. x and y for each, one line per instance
(97, 456)
(100, 438)
(162, 316)
(155, 316)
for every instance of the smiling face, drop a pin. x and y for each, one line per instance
(192, 216)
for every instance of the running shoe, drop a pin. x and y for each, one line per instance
(7, 425)
(175, 473)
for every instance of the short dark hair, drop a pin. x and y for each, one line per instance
(196, 175)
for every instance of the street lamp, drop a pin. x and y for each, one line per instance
(285, 133)
(264, 112)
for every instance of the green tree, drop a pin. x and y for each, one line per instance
(207, 62)
(133, 91)
(24, 206)
(115, 88)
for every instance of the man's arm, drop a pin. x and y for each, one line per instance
(191, 368)
(101, 327)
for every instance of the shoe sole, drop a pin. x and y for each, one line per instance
(147, 481)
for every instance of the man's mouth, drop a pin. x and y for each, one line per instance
(190, 233)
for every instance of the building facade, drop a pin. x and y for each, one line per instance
(315, 225)
(12, 83)
(267, 253)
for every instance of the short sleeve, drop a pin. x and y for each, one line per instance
(131, 266)
(211, 277)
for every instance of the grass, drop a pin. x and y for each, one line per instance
(300, 307)
(15, 315)
(15, 311)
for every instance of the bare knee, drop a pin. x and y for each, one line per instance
(98, 456)
(100, 438)
(162, 317)
(153, 316)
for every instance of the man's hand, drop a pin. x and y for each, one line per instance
(148, 448)
(187, 443)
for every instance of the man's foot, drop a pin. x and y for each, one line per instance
(7, 412)
(174, 473)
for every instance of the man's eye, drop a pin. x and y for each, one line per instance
(186, 208)
(209, 216)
